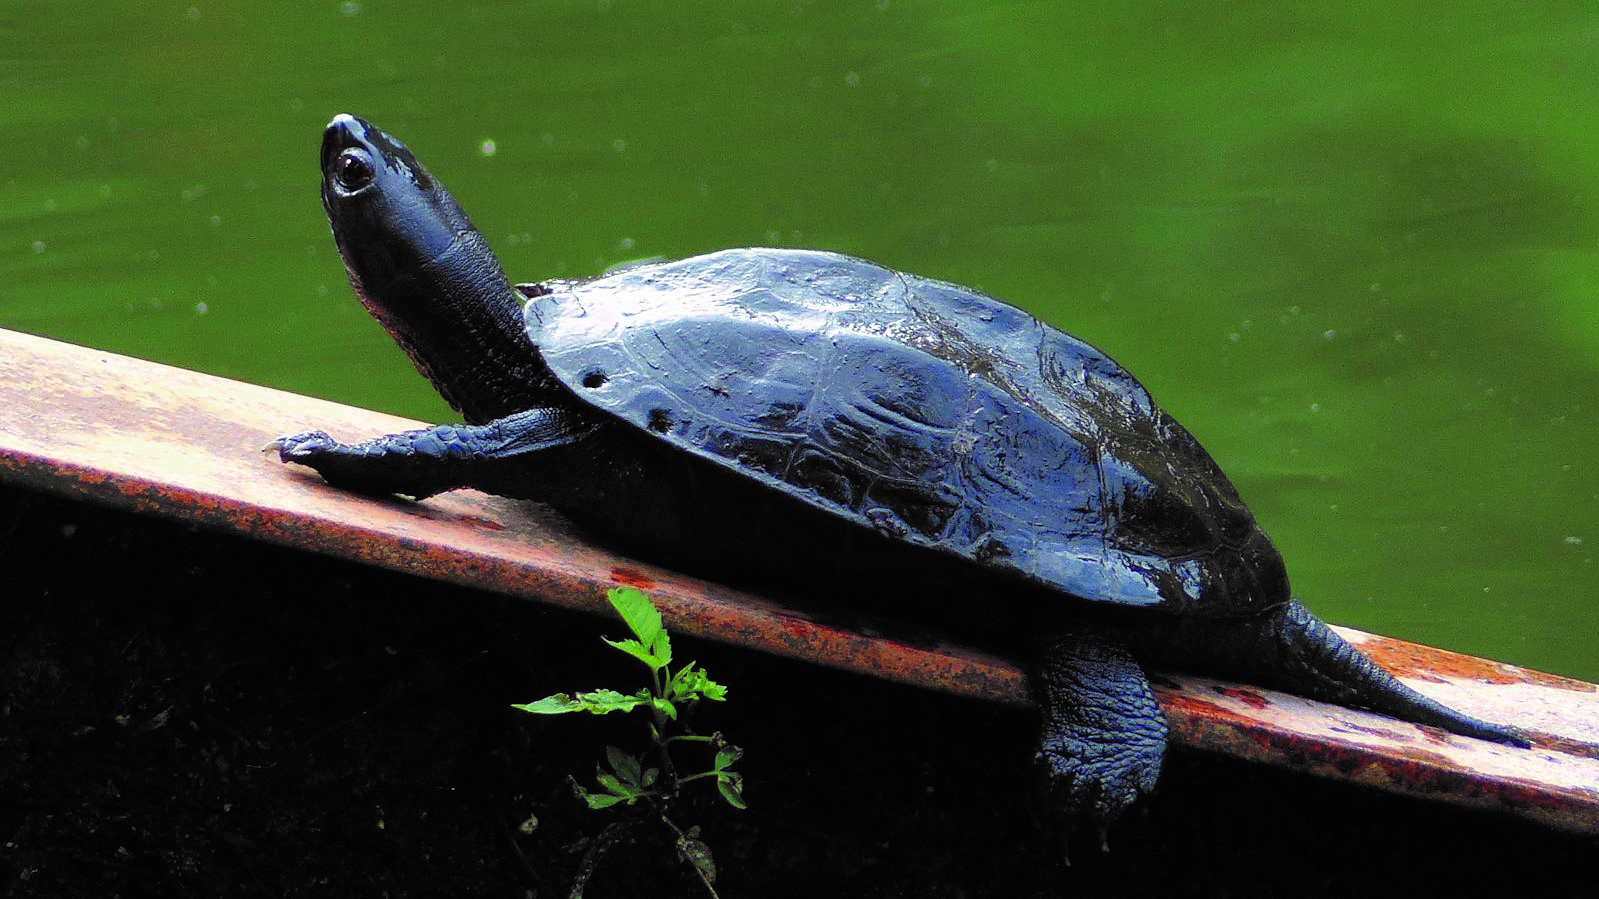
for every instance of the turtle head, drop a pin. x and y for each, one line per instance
(424, 272)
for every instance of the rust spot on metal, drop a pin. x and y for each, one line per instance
(1248, 697)
(633, 578)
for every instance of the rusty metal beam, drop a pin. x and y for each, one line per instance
(178, 444)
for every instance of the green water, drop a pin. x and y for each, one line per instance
(1351, 246)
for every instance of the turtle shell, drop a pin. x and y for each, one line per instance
(924, 410)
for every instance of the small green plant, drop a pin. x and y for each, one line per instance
(628, 779)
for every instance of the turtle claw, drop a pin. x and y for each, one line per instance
(1098, 782)
(300, 447)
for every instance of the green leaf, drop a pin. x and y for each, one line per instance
(598, 702)
(635, 649)
(693, 683)
(625, 765)
(593, 799)
(731, 786)
(558, 704)
(602, 800)
(726, 756)
(665, 707)
(710, 689)
(644, 620)
(693, 850)
(611, 783)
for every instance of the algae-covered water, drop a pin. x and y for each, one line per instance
(1353, 247)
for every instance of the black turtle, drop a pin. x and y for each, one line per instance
(807, 415)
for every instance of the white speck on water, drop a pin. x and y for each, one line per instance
(193, 13)
(627, 243)
(215, 220)
(350, 9)
(1329, 335)
(1574, 541)
(1315, 407)
(38, 246)
(852, 80)
(487, 148)
(201, 308)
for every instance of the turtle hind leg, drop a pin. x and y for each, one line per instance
(497, 456)
(1103, 734)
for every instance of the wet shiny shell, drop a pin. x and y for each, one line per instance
(927, 411)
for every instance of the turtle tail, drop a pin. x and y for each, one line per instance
(1325, 666)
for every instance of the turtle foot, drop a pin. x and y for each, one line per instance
(1103, 735)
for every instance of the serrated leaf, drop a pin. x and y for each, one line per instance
(598, 702)
(709, 689)
(666, 708)
(602, 800)
(642, 618)
(636, 649)
(694, 851)
(661, 646)
(731, 786)
(726, 756)
(592, 799)
(611, 784)
(625, 765)
(694, 683)
(558, 704)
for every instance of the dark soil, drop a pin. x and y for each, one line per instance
(188, 714)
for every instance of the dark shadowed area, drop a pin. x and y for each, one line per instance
(184, 714)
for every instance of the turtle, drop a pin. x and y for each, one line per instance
(801, 415)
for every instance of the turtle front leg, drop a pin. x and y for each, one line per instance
(1103, 734)
(444, 457)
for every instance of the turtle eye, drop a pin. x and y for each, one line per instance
(353, 169)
